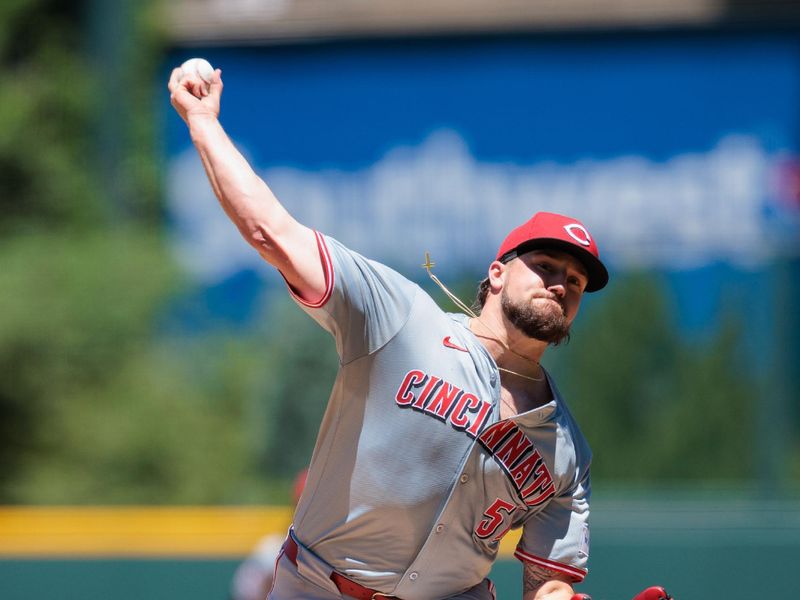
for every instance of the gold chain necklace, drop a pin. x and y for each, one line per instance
(499, 341)
(521, 375)
(466, 309)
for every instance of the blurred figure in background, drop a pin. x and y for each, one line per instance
(253, 578)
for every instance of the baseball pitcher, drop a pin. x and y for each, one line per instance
(442, 431)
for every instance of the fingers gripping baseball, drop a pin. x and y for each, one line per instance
(191, 95)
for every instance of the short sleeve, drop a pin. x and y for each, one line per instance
(365, 302)
(557, 537)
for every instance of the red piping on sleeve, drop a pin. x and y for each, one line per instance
(576, 573)
(327, 267)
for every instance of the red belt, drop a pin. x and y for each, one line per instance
(346, 586)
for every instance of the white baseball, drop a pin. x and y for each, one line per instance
(200, 66)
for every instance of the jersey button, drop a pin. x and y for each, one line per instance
(413, 576)
(493, 378)
(464, 478)
(439, 528)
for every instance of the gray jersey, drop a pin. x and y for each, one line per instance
(414, 478)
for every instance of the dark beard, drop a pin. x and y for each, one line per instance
(545, 324)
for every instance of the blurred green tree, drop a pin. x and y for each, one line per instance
(96, 404)
(302, 368)
(655, 406)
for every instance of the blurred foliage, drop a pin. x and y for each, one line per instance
(302, 368)
(655, 406)
(96, 404)
(68, 317)
(44, 124)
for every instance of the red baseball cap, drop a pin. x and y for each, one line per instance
(551, 230)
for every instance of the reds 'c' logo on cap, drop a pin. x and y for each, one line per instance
(578, 233)
(551, 230)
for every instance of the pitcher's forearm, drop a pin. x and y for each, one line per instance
(247, 200)
(245, 197)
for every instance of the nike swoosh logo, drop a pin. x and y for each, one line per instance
(449, 344)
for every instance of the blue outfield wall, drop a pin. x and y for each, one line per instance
(679, 151)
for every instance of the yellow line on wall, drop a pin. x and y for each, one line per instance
(85, 532)
(137, 531)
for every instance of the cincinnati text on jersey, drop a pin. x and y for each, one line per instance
(504, 440)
